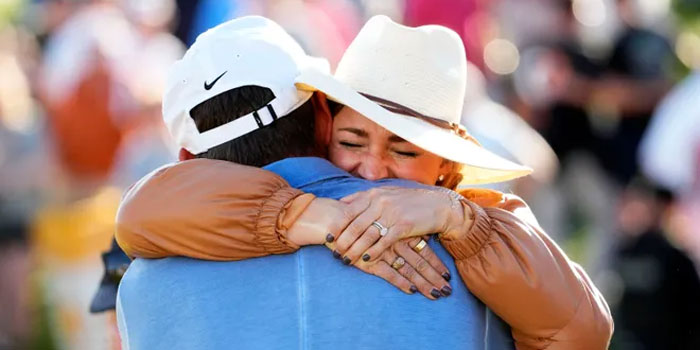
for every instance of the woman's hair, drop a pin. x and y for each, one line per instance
(334, 107)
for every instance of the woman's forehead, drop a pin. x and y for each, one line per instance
(351, 121)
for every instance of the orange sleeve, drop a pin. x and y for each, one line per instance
(511, 265)
(209, 209)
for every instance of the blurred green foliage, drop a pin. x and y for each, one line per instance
(686, 8)
(9, 10)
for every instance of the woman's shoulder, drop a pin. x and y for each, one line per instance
(487, 198)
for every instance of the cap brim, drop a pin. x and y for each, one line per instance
(480, 165)
(106, 297)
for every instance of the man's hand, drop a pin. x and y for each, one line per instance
(403, 212)
(422, 271)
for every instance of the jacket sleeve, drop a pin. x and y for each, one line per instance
(512, 266)
(209, 209)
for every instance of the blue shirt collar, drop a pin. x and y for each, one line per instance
(303, 171)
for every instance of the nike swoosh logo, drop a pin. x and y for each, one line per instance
(209, 86)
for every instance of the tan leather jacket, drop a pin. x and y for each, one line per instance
(217, 210)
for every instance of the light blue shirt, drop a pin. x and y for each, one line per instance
(305, 300)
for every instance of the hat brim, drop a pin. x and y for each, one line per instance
(480, 165)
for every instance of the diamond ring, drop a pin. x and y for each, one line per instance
(382, 230)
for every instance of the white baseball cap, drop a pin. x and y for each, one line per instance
(245, 51)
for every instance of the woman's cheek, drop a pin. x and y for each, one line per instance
(410, 171)
(420, 171)
(342, 158)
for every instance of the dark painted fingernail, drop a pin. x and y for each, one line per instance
(336, 254)
(329, 238)
(446, 291)
(346, 260)
(365, 257)
(435, 293)
(447, 276)
(413, 289)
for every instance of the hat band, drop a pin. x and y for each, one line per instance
(391, 106)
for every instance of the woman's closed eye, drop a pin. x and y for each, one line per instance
(407, 154)
(350, 144)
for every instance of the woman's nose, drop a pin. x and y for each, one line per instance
(372, 168)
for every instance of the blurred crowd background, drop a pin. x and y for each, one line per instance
(601, 97)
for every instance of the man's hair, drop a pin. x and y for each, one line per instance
(290, 136)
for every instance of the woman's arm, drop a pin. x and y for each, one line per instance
(503, 256)
(508, 262)
(215, 210)
(212, 210)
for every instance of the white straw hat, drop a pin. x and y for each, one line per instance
(412, 82)
(245, 51)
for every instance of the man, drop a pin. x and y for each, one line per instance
(658, 306)
(247, 110)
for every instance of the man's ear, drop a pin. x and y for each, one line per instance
(324, 120)
(185, 155)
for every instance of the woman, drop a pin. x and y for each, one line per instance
(501, 253)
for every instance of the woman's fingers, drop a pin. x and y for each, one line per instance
(382, 270)
(350, 212)
(429, 255)
(394, 233)
(408, 272)
(353, 231)
(352, 197)
(358, 248)
(431, 273)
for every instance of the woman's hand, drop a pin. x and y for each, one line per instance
(404, 213)
(409, 268)
(323, 217)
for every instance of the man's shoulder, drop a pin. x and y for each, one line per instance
(305, 171)
(322, 178)
(183, 303)
(157, 283)
(146, 270)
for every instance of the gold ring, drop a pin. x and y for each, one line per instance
(419, 247)
(398, 263)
